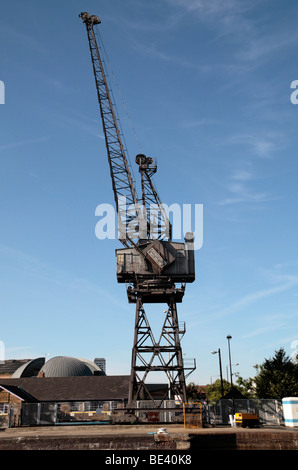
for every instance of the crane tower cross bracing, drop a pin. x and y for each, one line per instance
(150, 263)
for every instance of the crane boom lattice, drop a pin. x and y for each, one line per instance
(122, 181)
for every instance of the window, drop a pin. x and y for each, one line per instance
(3, 408)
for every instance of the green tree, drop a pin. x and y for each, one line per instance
(213, 391)
(193, 392)
(277, 377)
(246, 387)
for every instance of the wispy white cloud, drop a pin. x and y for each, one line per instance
(276, 322)
(19, 352)
(210, 7)
(241, 184)
(23, 143)
(241, 193)
(165, 19)
(262, 45)
(263, 145)
(263, 330)
(254, 40)
(254, 296)
(242, 175)
(87, 125)
(226, 16)
(240, 187)
(199, 123)
(286, 283)
(276, 275)
(288, 264)
(20, 38)
(32, 266)
(251, 298)
(152, 51)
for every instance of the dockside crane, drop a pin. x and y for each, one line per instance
(154, 268)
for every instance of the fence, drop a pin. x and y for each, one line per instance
(270, 412)
(52, 413)
(146, 412)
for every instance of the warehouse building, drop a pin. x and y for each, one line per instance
(63, 389)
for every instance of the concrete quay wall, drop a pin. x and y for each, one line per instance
(135, 438)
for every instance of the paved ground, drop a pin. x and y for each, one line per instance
(134, 430)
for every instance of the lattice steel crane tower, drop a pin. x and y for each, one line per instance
(154, 268)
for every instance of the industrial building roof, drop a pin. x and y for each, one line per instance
(58, 366)
(78, 388)
(29, 369)
(9, 366)
(18, 392)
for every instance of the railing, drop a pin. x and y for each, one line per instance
(270, 412)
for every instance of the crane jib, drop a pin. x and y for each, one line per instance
(122, 181)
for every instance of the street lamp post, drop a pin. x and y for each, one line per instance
(227, 369)
(220, 370)
(229, 337)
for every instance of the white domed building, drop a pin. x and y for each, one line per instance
(58, 366)
(64, 366)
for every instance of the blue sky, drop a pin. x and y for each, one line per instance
(207, 85)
